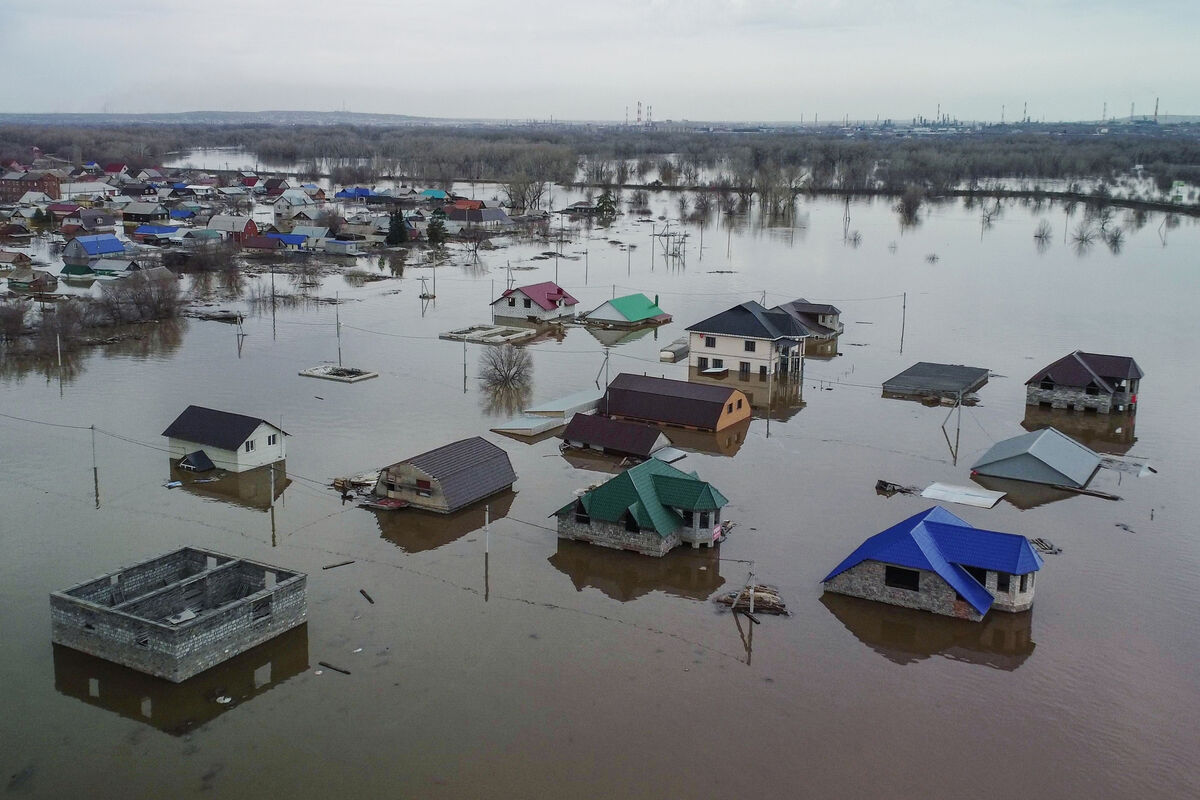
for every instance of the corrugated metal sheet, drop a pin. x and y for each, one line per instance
(468, 470)
(663, 400)
(222, 429)
(965, 495)
(926, 377)
(637, 491)
(614, 436)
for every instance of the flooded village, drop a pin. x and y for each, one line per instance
(393, 488)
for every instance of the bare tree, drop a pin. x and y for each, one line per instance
(505, 366)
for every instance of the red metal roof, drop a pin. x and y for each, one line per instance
(545, 294)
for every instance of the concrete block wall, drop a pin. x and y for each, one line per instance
(614, 535)
(1077, 399)
(866, 580)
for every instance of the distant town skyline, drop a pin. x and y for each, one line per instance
(713, 60)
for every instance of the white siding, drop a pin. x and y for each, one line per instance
(732, 351)
(238, 460)
(517, 309)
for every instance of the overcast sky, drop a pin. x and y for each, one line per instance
(533, 59)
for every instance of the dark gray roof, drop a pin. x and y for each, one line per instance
(925, 377)
(753, 321)
(806, 315)
(1045, 456)
(696, 405)
(615, 436)
(468, 470)
(1079, 369)
(208, 426)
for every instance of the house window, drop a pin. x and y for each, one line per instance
(528, 303)
(1091, 389)
(424, 488)
(272, 439)
(1047, 385)
(739, 403)
(978, 574)
(689, 518)
(512, 301)
(750, 346)
(762, 373)
(703, 520)
(631, 524)
(900, 578)
(710, 341)
(718, 363)
(729, 407)
(701, 363)
(1024, 583)
(581, 514)
(260, 609)
(744, 369)
(249, 445)
(1003, 582)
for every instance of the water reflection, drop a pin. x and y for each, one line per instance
(724, 442)
(1023, 494)
(250, 489)
(415, 531)
(625, 576)
(505, 401)
(1107, 433)
(614, 336)
(177, 708)
(785, 395)
(907, 636)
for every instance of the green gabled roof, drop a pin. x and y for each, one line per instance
(636, 307)
(650, 491)
(689, 493)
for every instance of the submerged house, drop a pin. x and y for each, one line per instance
(541, 302)
(686, 405)
(233, 227)
(1086, 382)
(928, 380)
(614, 437)
(179, 614)
(83, 249)
(650, 509)
(1045, 456)
(934, 561)
(755, 339)
(205, 438)
(450, 477)
(630, 311)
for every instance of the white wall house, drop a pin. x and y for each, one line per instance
(232, 442)
(542, 302)
(747, 339)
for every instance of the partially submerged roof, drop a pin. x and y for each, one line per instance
(664, 400)
(808, 315)
(1045, 456)
(222, 429)
(627, 438)
(634, 308)
(546, 294)
(650, 493)
(1080, 369)
(752, 321)
(926, 377)
(938, 541)
(468, 470)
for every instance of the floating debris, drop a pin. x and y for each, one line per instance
(338, 564)
(888, 488)
(370, 599)
(1045, 546)
(327, 665)
(754, 599)
(330, 372)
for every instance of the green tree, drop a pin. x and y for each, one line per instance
(397, 229)
(606, 206)
(436, 231)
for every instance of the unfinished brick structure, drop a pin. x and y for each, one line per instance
(179, 614)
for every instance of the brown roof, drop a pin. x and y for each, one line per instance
(614, 436)
(663, 400)
(1080, 369)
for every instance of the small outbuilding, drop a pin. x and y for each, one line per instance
(934, 561)
(450, 477)
(630, 311)
(698, 406)
(232, 442)
(1046, 456)
(614, 437)
(83, 249)
(1086, 382)
(650, 509)
(233, 227)
(926, 379)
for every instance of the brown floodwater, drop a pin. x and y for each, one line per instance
(547, 668)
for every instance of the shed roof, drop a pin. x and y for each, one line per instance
(144, 208)
(1045, 456)
(926, 376)
(938, 541)
(155, 230)
(468, 470)
(649, 493)
(294, 239)
(100, 243)
(636, 308)
(1080, 369)
(664, 400)
(546, 294)
(628, 438)
(209, 426)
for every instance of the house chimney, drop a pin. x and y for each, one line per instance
(655, 299)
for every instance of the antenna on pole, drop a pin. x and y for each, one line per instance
(1156, 111)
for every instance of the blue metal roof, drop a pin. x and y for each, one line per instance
(155, 230)
(289, 238)
(100, 243)
(182, 213)
(938, 541)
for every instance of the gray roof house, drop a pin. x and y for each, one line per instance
(448, 478)
(1045, 456)
(205, 438)
(1087, 381)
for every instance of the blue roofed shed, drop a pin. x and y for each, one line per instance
(83, 249)
(934, 561)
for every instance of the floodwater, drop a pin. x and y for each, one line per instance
(512, 665)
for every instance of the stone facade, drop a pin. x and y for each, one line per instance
(866, 580)
(614, 535)
(1076, 398)
(180, 614)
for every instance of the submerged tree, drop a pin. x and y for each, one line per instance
(397, 229)
(505, 367)
(606, 206)
(435, 232)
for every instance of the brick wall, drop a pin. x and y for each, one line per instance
(1077, 399)
(614, 535)
(866, 580)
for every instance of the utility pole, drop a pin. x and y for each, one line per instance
(903, 319)
(337, 317)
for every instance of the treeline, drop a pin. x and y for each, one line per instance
(821, 158)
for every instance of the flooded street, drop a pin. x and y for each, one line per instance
(548, 668)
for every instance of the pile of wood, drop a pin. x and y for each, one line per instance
(756, 598)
